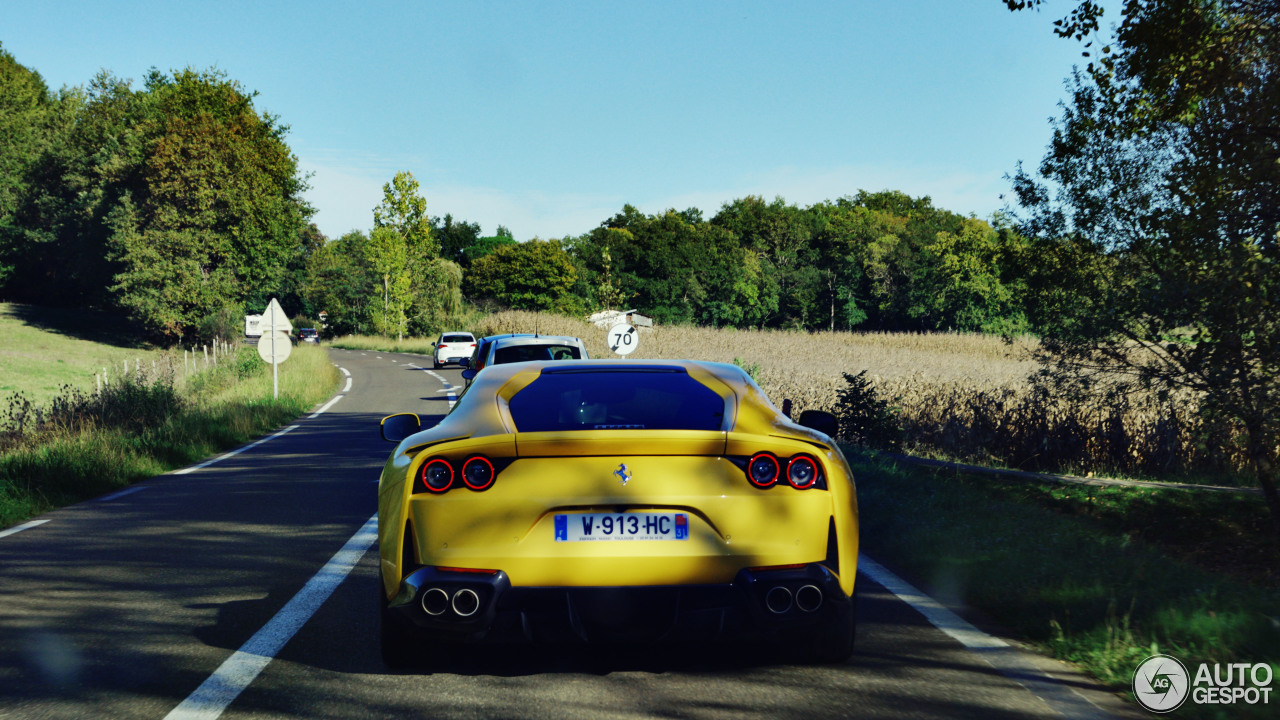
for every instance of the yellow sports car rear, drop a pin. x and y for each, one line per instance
(608, 500)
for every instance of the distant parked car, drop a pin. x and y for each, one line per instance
(310, 335)
(523, 347)
(454, 347)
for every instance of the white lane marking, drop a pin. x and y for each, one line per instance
(217, 692)
(19, 528)
(377, 357)
(326, 406)
(122, 493)
(453, 400)
(235, 452)
(336, 398)
(415, 367)
(1008, 660)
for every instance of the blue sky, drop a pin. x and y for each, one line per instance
(547, 117)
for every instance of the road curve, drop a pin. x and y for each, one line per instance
(241, 589)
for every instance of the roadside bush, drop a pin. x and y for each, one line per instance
(225, 323)
(866, 418)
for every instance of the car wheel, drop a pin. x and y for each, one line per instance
(436, 363)
(833, 642)
(398, 647)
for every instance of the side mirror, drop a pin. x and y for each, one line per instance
(468, 374)
(400, 426)
(823, 422)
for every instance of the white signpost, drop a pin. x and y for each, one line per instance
(623, 339)
(274, 346)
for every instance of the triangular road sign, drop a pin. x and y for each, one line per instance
(274, 319)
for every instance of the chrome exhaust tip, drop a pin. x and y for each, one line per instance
(809, 598)
(778, 600)
(435, 602)
(466, 602)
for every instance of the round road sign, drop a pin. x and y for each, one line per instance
(623, 339)
(283, 347)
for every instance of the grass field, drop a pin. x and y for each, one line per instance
(44, 349)
(165, 412)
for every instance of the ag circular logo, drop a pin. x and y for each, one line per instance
(1161, 683)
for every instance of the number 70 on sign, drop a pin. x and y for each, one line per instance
(623, 339)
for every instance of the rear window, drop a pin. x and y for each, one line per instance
(592, 399)
(528, 353)
(457, 339)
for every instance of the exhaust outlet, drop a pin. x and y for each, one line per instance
(778, 600)
(466, 602)
(435, 601)
(809, 598)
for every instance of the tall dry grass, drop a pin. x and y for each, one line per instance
(958, 396)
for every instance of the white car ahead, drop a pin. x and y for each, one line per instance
(454, 347)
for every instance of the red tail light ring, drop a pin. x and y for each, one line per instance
(437, 475)
(478, 473)
(763, 470)
(802, 472)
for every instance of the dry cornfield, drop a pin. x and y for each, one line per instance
(961, 396)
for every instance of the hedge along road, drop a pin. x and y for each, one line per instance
(242, 588)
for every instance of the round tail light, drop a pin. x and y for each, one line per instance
(763, 470)
(477, 473)
(437, 475)
(802, 472)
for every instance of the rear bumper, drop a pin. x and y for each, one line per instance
(472, 607)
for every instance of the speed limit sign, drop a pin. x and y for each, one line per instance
(623, 338)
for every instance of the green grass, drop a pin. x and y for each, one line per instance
(93, 450)
(375, 343)
(45, 349)
(1101, 581)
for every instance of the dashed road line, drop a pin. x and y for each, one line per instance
(19, 528)
(122, 493)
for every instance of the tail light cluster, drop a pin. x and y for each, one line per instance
(801, 472)
(438, 475)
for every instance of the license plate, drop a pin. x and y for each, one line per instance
(622, 526)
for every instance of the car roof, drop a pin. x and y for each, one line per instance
(527, 339)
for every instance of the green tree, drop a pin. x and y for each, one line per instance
(404, 210)
(340, 282)
(455, 237)
(28, 123)
(971, 290)
(387, 253)
(532, 275)
(1164, 170)
(218, 215)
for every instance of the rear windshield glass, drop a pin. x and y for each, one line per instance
(457, 339)
(616, 400)
(527, 353)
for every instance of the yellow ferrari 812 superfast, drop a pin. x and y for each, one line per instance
(616, 501)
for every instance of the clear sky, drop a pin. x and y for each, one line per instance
(547, 117)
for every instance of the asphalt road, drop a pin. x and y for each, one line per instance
(206, 593)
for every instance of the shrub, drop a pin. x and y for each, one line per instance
(866, 418)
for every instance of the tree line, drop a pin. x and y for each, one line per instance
(179, 201)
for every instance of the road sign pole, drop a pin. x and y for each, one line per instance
(275, 366)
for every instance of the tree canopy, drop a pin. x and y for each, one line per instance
(1161, 189)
